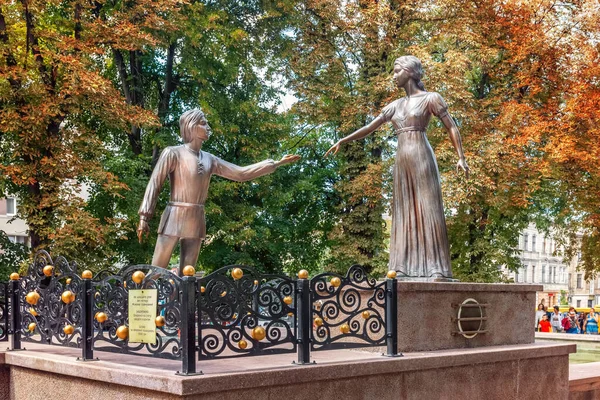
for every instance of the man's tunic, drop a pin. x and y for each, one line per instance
(189, 175)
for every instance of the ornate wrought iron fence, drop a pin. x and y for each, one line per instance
(235, 311)
(243, 312)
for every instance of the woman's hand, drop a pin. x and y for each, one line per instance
(462, 164)
(334, 149)
(142, 230)
(288, 159)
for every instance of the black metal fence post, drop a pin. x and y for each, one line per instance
(87, 330)
(304, 311)
(189, 297)
(391, 315)
(14, 314)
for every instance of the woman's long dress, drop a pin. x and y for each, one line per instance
(419, 240)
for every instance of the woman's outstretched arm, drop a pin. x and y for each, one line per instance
(356, 135)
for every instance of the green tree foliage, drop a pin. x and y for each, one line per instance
(224, 57)
(12, 256)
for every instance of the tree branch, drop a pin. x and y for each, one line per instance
(124, 77)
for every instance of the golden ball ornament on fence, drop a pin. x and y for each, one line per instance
(345, 328)
(122, 332)
(101, 317)
(366, 314)
(69, 280)
(259, 333)
(33, 312)
(48, 270)
(67, 297)
(138, 277)
(318, 321)
(87, 274)
(31, 327)
(303, 274)
(68, 329)
(288, 300)
(14, 276)
(32, 298)
(392, 274)
(335, 281)
(242, 344)
(189, 270)
(160, 321)
(237, 273)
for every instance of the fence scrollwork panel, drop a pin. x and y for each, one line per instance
(245, 312)
(50, 302)
(348, 311)
(111, 319)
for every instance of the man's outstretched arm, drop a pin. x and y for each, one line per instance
(241, 174)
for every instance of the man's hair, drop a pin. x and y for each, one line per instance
(187, 121)
(556, 307)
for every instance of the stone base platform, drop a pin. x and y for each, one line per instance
(531, 371)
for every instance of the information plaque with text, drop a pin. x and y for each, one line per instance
(142, 315)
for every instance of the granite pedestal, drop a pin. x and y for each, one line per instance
(428, 312)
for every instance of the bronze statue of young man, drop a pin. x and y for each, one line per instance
(189, 170)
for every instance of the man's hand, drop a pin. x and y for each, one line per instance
(288, 159)
(142, 230)
(462, 164)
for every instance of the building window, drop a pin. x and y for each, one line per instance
(525, 273)
(544, 246)
(18, 239)
(533, 242)
(525, 240)
(579, 281)
(543, 273)
(533, 273)
(590, 303)
(578, 303)
(517, 276)
(554, 274)
(11, 206)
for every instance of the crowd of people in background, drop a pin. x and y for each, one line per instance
(569, 322)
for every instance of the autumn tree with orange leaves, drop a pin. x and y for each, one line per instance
(54, 102)
(519, 80)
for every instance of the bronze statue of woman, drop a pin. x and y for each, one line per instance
(419, 241)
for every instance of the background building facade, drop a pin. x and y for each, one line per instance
(542, 262)
(15, 228)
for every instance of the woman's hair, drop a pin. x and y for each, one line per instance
(541, 305)
(413, 65)
(187, 121)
